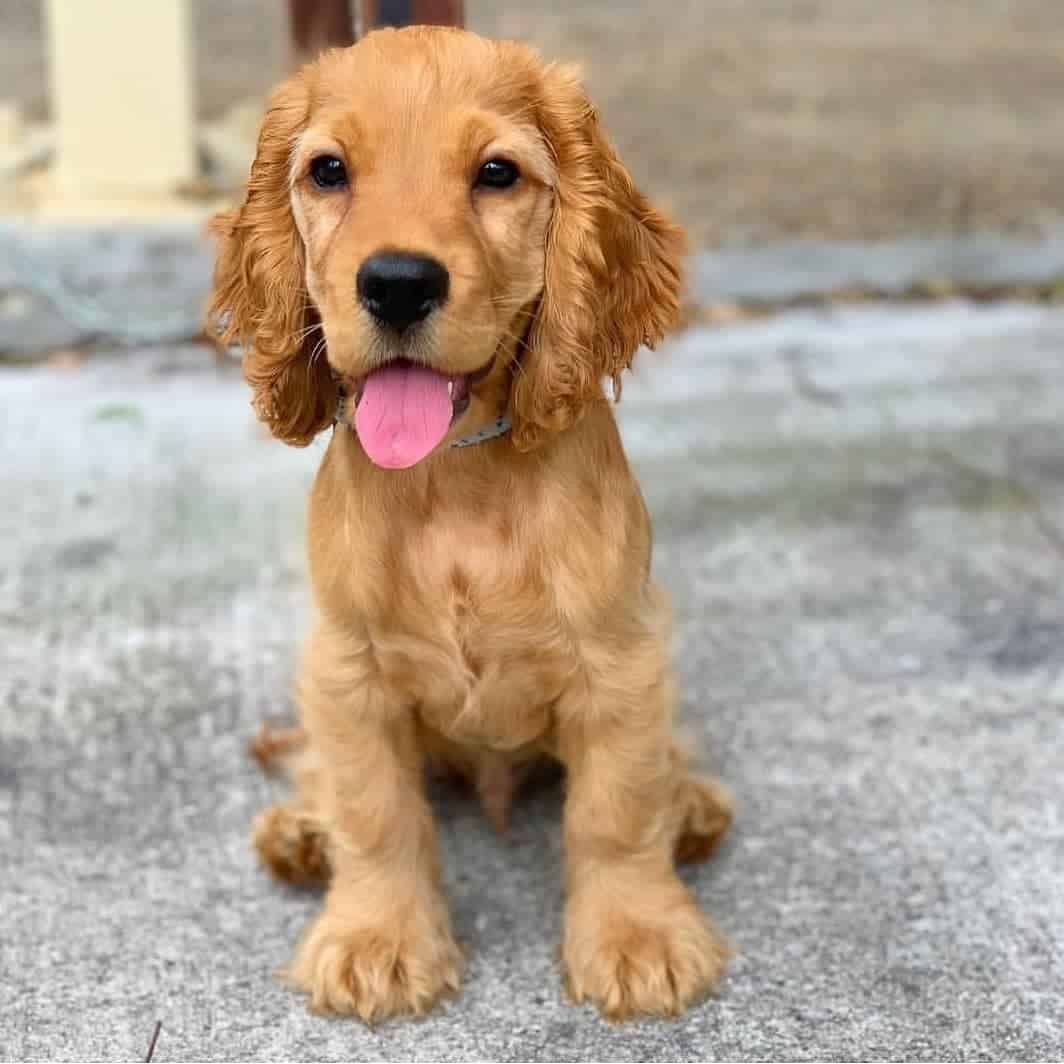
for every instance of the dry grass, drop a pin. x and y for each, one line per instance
(759, 118)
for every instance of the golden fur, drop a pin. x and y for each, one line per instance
(490, 605)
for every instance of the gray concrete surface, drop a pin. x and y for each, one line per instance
(62, 286)
(861, 516)
(782, 271)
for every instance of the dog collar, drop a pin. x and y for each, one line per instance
(499, 427)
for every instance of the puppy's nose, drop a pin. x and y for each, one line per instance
(399, 288)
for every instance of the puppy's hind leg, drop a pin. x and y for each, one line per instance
(277, 748)
(289, 836)
(702, 811)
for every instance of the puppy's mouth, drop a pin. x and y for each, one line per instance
(404, 409)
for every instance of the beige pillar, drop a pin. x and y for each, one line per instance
(123, 97)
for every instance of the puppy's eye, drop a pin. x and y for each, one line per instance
(497, 173)
(326, 171)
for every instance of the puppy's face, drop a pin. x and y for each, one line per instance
(422, 192)
(445, 207)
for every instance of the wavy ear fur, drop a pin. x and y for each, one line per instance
(260, 298)
(613, 271)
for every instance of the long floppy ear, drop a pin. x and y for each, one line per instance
(613, 271)
(260, 298)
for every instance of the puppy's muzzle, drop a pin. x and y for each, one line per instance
(401, 289)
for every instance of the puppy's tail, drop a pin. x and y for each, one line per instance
(496, 783)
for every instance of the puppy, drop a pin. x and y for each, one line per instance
(441, 260)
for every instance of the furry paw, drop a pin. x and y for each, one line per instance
(656, 955)
(399, 966)
(291, 845)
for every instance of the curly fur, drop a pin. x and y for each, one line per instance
(612, 273)
(259, 298)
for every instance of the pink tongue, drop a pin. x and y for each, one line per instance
(403, 413)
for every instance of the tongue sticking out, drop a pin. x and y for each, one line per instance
(405, 410)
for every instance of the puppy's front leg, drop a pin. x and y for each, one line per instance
(634, 940)
(382, 944)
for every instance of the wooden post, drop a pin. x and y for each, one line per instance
(375, 13)
(318, 24)
(122, 96)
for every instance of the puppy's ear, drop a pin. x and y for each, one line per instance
(260, 298)
(613, 271)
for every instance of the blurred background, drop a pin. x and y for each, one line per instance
(851, 449)
(921, 135)
(754, 119)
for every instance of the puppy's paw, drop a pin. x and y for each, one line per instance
(657, 956)
(291, 845)
(376, 972)
(705, 811)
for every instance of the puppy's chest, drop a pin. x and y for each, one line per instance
(474, 640)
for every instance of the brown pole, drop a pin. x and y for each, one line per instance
(375, 13)
(318, 24)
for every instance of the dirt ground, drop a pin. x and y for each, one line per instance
(753, 119)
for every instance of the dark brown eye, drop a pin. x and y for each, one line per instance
(497, 173)
(326, 171)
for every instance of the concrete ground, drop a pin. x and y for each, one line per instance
(861, 516)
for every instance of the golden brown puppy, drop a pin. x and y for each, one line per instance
(437, 235)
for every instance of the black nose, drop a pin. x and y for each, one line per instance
(398, 288)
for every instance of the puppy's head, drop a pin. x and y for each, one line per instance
(429, 215)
